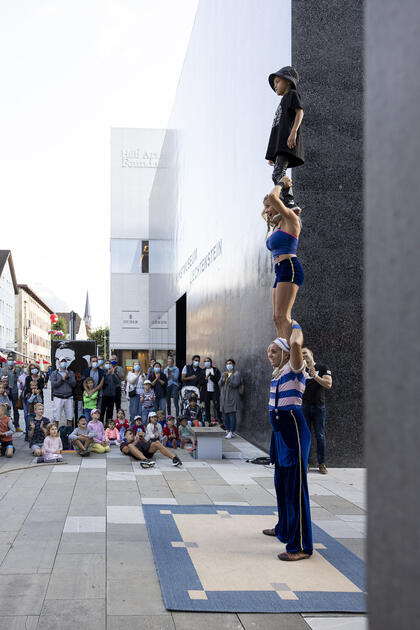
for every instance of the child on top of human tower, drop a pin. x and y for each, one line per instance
(285, 146)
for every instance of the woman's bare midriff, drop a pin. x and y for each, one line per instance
(283, 257)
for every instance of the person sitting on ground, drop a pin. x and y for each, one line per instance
(138, 426)
(100, 443)
(141, 449)
(170, 431)
(53, 446)
(112, 434)
(7, 428)
(185, 432)
(4, 398)
(90, 397)
(147, 400)
(154, 431)
(161, 418)
(193, 413)
(37, 430)
(121, 423)
(82, 438)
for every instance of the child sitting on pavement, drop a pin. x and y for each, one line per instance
(82, 438)
(138, 426)
(143, 450)
(52, 445)
(100, 443)
(185, 432)
(4, 398)
(6, 433)
(121, 423)
(170, 431)
(112, 434)
(161, 418)
(37, 430)
(154, 431)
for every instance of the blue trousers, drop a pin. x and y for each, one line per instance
(229, 420)
(135, 407)
(173, 392)
(315, 416)
(290, 446)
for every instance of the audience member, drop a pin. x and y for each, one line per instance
(109, 391)
(121, 423)
(313, 403)
(154, 431)
(53, 446)
(62, 383)
(172, 391)
(7, 429)
(170, 432)
(230, 400)
(37, 429)
(193, 412)
(185, 432)
(112, 434)
(90, 397)
(12, 373)
(147, 400)
(209, 389)
(100, 443)
(192, 374)
(159, 384)
(82, 438)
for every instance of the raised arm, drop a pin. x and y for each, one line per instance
(277, 204)
(296, 343)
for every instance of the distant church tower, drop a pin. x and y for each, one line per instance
(87, 317)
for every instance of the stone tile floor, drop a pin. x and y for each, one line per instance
(64, 529)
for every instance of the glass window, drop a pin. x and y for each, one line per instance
(128, 255)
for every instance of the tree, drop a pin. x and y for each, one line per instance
(60, 325)
(97, 334)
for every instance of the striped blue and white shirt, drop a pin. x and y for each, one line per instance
(290, 386)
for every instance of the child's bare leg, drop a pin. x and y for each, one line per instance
(134, 451)
(157, 446)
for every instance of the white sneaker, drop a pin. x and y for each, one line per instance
(229, 435)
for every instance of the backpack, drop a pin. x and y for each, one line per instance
(64, 435)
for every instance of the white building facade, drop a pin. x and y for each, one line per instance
(134, 334)
(32, 322)
(8, 290)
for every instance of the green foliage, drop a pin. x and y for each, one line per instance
(98, 335)
(60, 325)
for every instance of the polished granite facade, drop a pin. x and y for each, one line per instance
(207, 197)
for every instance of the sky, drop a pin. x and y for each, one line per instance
(71, 70)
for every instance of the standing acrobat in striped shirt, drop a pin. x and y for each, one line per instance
(290, 445)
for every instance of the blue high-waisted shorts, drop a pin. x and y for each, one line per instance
(289, 270)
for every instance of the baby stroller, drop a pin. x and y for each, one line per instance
(186, 392)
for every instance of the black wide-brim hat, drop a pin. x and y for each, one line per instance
(288, 72)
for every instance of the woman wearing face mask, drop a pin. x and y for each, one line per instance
(135, 389)
(209, 389)
(159, 385)
(230, 400)
(21, 389)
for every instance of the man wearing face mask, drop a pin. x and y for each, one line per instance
(120, 374)
(94, 372)
(193, 374)
(109, 390)
(159, 385)
(209, 388)
(230, 400)
(12, 372)
(63, 381)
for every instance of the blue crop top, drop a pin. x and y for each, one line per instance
(280, 242)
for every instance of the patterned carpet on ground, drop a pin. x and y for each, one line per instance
(215, 558)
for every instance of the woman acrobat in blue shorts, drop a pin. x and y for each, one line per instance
(283, 240)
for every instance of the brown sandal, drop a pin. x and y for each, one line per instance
(269, 532)
(293, 557)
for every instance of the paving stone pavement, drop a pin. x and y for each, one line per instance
(74, 548)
